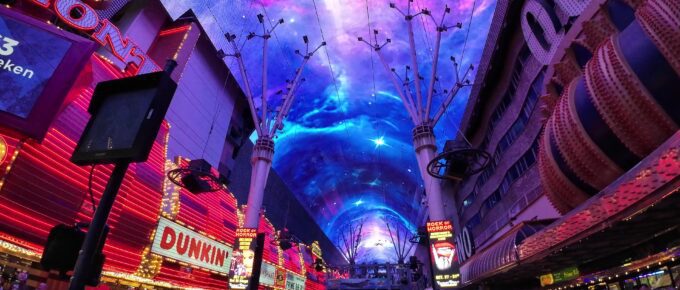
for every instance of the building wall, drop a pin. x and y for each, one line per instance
(202, 108)
(509, 123)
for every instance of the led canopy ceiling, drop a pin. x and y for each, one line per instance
(346, 147)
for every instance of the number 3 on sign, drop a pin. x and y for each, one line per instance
(7, 45)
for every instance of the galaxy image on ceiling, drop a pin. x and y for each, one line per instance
(346, 148)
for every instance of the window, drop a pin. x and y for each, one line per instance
(499, 111)
(515, 131)
(516, 171)
(469, 199)
(509, 93)
(538, 31)
(493, 199)
(473, 221)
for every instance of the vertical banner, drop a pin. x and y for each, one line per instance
(241, 268)
(443, 254)
(281, 276)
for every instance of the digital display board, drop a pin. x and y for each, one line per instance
(241, 268)
(180, 243)
(125, 109)
(443, 254)
(29, 57)
(38, 65)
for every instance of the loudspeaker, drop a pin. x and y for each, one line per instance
(413, 262)
(62, 247)
(61, 252)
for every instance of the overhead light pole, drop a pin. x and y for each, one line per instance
(266, 125)
(418, 102)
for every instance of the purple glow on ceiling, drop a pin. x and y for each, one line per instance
(346, 148)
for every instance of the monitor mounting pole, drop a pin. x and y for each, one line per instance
(97, 230)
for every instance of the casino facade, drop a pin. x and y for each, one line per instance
(41, 188)
(592, 97)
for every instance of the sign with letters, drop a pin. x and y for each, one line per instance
(295, 282)
(102, 31)
(180, 243)
(443, 254)
(28, 59)
(241, 268)
(543, 28)
(38, 65)
(268, 275)
(466, 245)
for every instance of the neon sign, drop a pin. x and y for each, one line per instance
(183, 244)
(242, 263)
(81, 16)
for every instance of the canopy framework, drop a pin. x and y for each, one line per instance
(349, 239)
(418, 101)
(267, 123)
(401, 241)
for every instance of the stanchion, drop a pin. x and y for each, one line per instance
(93, 239)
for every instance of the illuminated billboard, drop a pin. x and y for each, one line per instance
(268, 275)
(443, 254)
(295, 281)
(180, 243)
(241, 268)
(38, 65)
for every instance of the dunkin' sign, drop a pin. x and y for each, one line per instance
(182, 244)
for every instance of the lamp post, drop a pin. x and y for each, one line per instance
(420, 114)
(266, 125)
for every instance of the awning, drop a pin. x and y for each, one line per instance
(502, 253)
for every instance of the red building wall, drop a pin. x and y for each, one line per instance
(43, 188)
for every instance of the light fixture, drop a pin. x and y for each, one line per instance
(458, 161)
(196, 177)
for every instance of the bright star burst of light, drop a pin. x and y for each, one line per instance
(379, 142)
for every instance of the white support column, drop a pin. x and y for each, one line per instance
(264, 146)
(423, 133)
(424, 144)
(416, 70)
(262, 163)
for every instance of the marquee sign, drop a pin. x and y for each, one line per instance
(177, 242)
(281, 275)
(81, 16)
(295, 281)
(443, 254)
(268, 275)
(3, 150)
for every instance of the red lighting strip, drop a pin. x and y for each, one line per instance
(174, 30)
(45, 189)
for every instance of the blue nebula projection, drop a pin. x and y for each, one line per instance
(346, 148)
